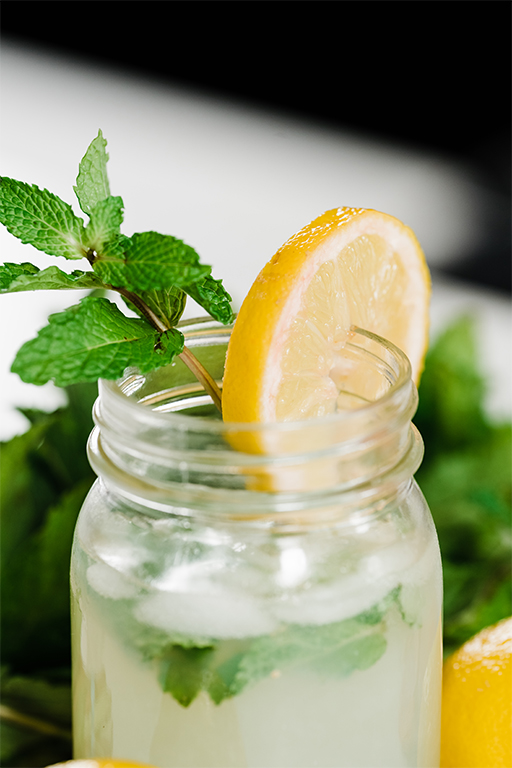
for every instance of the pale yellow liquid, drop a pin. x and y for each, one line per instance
(387, 715)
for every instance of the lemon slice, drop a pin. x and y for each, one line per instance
(349, 267)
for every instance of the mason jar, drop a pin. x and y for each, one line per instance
(260, 595)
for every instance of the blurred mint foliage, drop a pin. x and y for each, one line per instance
(466, 477)
(44, 477)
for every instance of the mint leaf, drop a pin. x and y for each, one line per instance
(151, 262)
(213, 297)
(167, 304)
(184, 672)
(333, 649)
(225, 668)
(106, 219)
(27, 277)
(93, 340)
(92, 181)
(40, 218)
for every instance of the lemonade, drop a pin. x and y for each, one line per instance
(221, 618)
(307, 713)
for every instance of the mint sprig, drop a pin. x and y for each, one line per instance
(153, 272)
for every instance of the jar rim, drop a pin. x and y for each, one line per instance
(397, 373)
(210, 463)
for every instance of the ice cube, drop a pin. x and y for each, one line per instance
(109, 583)
(210, 615)
(348, 597)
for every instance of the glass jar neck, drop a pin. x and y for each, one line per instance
(158, 443)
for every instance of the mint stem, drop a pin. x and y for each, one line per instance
(190, 360)
(202, 376)
(141, 305)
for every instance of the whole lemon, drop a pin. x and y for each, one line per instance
(476, 721)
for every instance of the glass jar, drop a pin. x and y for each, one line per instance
(257, 595)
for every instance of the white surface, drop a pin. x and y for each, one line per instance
(232, 181)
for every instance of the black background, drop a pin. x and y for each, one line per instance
(433, 75)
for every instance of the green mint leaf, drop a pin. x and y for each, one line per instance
(27, 277)
(168, 304)
(333, 649)
(330, 650)
(450, 411)
(184, 672)
(213, 297)
(40, 218)
(92, 180)
(151, 261)
(106, 219)
(93, 340)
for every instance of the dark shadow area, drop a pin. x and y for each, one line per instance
(432, 76)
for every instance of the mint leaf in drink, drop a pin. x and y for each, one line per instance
(104, 225)
(92, 183)
(184, 671)
(27, 277)
(336, 649)
(224, 668)
(91, 340)
(40, 218)
(151, 261)
(213, 297)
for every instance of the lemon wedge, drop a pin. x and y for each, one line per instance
(349, 267)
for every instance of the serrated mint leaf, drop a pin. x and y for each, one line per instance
(93, 340)
(40, 218)
(151, 261)
(106, 219)
(27, 277)
(213, 297)
(168, 304)
(335, 650)
(92, 180)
